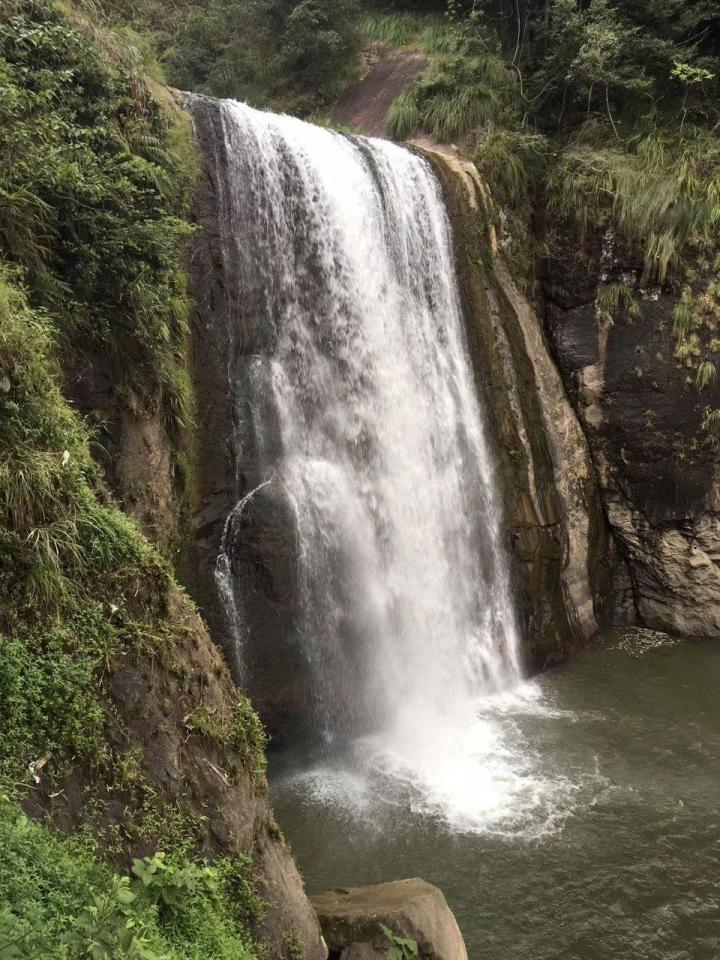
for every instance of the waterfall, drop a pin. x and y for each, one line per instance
(360, 411)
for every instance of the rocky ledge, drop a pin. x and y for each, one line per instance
(352, 922)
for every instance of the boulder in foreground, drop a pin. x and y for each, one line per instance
(352, 921)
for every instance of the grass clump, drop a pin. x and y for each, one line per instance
(662, 193)
(428, 32)
(396, 29)
(403, 117)
(242, 731)
(513, 162)
(453, 98)
(467, 87)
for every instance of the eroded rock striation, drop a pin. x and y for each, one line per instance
(554, 524)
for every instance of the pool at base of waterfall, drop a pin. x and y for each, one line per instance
(576, 817)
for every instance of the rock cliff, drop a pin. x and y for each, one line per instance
(555, 529)
(642, 414)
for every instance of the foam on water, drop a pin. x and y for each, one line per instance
(477, 774)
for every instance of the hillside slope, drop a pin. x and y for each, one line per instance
(120, 725)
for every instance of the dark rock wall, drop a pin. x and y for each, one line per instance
(642, 414)
(226, 336)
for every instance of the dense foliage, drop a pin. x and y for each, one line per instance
(95, 172)
(59, 902)
(83, 227)
(294, 55)
(94, 179)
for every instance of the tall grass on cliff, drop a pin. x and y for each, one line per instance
(429, 33)
(468, 89)
(81, 590)
(94, 184)
(661, 192)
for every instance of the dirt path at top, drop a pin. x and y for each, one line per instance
(365, 104)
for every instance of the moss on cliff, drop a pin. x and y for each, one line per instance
(82, 595)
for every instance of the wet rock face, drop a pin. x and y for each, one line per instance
(643, 420)
(225, 337)
(412, 909)
(562, 558)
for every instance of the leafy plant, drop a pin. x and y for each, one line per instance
(401, 948)
(107, 927)
(167, 884)
(61, 902)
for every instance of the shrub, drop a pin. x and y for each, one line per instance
(60, 902)
(662, 194)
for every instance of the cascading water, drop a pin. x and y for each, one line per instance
(365, 588)
(365, 417)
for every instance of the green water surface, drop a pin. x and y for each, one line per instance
(604, 843)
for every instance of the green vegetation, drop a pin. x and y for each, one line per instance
(60, 902)
(294, 55)
(59, 534)
(80, 585)
(606, 113)
(660, 191)
(610, 107)
(94, 183)
(401, 948)
(95, 173)
(428, 32)
(467, 86)
(464, 91)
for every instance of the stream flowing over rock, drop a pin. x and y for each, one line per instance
(360, 571)
(397, 509)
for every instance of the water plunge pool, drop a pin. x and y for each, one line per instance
(585, 825)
